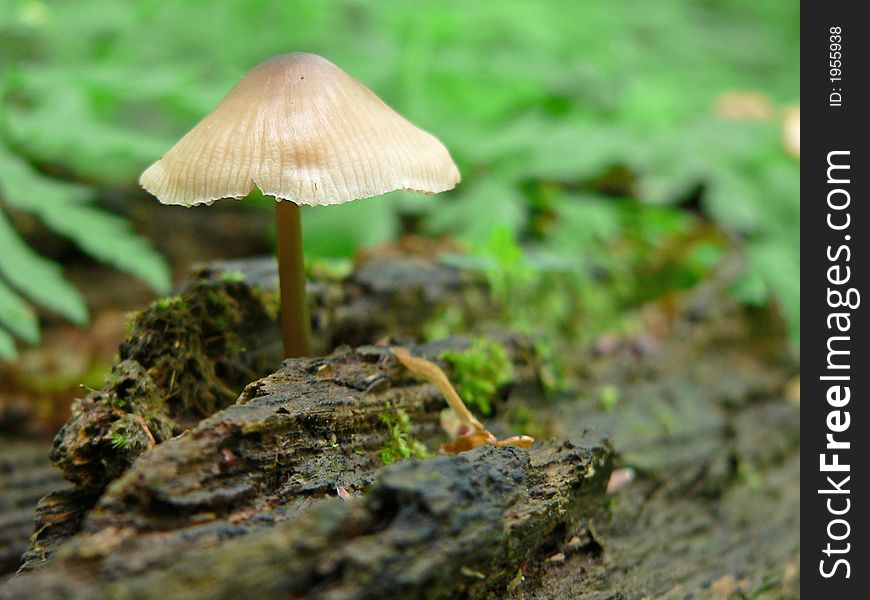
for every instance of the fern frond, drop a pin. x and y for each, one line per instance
(17, 316)
(36, 277)
(66, 209)
(7, 346)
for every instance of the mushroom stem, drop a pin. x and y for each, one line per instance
(295, 322)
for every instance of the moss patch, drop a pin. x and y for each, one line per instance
(401, 444)
(478, 372)
(184, 358)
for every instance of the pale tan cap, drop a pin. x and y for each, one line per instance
(300, 129)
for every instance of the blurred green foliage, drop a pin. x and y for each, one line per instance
(543, 104)
(67, 209)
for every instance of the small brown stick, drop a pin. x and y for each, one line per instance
(429, 370)
(479, 435)
(141, 421)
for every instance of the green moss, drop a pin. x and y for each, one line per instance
(222, 322)
(127, 437)
(218, 299)
(478, 372)
(270, 300)
(168, 303)
(192, 348)
(119, 441)
(328, 269)
(231, 276)
(401, 444)
(184, 358)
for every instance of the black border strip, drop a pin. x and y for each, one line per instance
(834, 228)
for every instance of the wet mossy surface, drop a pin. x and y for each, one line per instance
(704, 430)
(184, 358)
(189, 355)
(457, 526)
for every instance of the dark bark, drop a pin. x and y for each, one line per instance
(442, 528)
(189, 356)
(244, 504)
(266, 470)
(294, 435)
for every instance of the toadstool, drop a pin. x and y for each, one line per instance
(304, 131)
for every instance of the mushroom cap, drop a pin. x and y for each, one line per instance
(303, 130)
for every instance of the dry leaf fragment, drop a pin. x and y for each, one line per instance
(791, 133)
(743, 106)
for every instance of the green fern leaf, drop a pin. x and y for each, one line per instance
(109, 239)
(7, 346)
(65, 208)
(38, 278)
(17, 316)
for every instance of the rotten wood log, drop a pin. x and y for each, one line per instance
(703, 418)
(395, 296)
(261, 470)
(188, 356)
(441, 528)
(295, 435)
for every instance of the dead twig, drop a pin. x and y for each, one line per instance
(478, 434)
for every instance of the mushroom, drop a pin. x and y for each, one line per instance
(304, 131)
